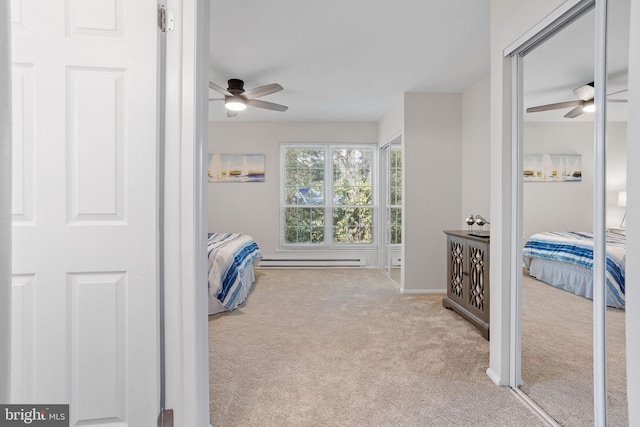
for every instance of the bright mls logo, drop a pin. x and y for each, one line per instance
(34, 415)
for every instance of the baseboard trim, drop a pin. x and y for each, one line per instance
(312, 262)
(424, 291)
(494, 377)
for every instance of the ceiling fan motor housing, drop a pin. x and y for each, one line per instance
(236, 86)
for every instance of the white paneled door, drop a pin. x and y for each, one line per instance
(85, 291)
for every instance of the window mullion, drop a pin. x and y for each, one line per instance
(329, 196)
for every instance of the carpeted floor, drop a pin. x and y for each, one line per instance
(345, 348)
(557, 355)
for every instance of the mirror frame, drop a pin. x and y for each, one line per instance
(553, 23)
(383, 206)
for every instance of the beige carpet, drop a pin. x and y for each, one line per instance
(345, 348)
(557, 355)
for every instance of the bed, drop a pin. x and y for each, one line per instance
(232, 258)
(564, 259)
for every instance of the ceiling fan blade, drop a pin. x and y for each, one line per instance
(217, 88)
(555, 106)
(585, 92)
(575, 112)
(231, 113)
(620, 91)
(262, 90)
(620, 101)
(267, 105)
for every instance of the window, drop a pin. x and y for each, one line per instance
(328, 195)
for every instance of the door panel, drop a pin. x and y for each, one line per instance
(85, 313)
(23, 194)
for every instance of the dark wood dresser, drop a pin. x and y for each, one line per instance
(468, 278)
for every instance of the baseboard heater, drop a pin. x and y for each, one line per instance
(312, 263)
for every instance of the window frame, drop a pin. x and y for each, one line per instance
(328, 206)
(391, 206)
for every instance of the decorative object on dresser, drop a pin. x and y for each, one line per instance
(470, 221)
(468, 278)
(481, 221)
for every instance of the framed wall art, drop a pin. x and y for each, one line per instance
(236, 168)
(552, 167)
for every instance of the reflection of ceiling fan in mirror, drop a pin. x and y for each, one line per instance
(236, 98)
(580, 106)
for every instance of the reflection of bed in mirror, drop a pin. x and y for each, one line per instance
(564, 259)
(232, 258)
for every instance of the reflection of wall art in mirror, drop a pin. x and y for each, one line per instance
(236, 168)
(552, 167)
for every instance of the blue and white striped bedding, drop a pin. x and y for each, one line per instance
(576, 248)
(232, 258)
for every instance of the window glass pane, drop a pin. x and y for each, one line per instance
(304, 176)
(395, 223)
(395, 196)
(304, 225)
(352, 177)
(396, 177)
(353, 225)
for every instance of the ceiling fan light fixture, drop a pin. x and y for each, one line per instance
(236, 98)
(589, 107)
(235, 103)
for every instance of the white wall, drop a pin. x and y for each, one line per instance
(617, 137)
(392, 124)
(549, 206)
(476, 151)
(432, 147)
(254, 208)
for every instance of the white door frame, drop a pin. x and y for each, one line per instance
(5, 201)
(185, 264)
(558, 19)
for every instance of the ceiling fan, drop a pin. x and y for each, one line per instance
(236, 98)
(585, 104)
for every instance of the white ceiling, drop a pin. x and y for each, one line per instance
(565, 62)
(345, 60)
(351, 60)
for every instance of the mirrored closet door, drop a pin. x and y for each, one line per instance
(391, 210)
(563, 184)
(557, 206)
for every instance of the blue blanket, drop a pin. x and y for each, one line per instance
(231, 257)
(577, 248)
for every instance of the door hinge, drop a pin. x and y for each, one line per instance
(165, 19)
(165, 418)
